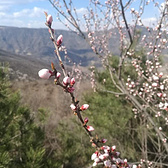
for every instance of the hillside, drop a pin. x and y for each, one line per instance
(36, 42)
(35, 92)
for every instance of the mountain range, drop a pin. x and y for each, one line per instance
(34, 45)
(37, 43)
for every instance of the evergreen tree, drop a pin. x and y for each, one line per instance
(21, 139)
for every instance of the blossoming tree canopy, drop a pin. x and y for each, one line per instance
(144, 86)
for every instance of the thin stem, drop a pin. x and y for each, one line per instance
(125, 21)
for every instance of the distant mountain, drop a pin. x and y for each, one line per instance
(36, 42)
(22, 64)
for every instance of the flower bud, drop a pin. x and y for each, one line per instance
(154, 84)
(104, 156)
(59, 40)
(160, 74)
(105, 148)
(104, 140)
(162, 87)
(159, 94)
(113, 148)
(113, 166)
(117, 154)
(94, 155)
(58, 74)
(90, 128)
(66, 80)
(94, 164)
(155, 78)
(73, 107)
(93, 145)
(72, 82)
(97, 160)
(107, 163)
(45, 73)
(125, 160)
(49, 20)
(70, 89)
(84, 107)
(86, 120)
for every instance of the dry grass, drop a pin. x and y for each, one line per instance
(44, 94)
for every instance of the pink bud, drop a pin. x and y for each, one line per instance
(73, 107)
(104, 140)
(49, 19)
(125, 160)
(70, 89)
(105, 148)
(97, 160)
(117, 154)
(94, 164)
(161, 74)
(84, 107)
(66, 80)
(104, 156)
(159, 94)
(94, 155)
(86, 120)
(113, 148)
(107, 163)
(45, 73)
(160, 128)
(162, 87)
(59, 40)
(154, 84)
(58, 74)
(72, 82)
(93, 145)
(90, 128)
(155, 78)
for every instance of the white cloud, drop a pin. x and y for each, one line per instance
(24, 18)
(3, 8)
(11, 2)
(82, 11)
(149, 21)
(2, 14)
(35, 12)
(31, 18)
(21, 13)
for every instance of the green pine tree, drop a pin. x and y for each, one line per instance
(21, 138)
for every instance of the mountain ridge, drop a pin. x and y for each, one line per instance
(28, 41)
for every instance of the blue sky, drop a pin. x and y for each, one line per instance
(30, 13)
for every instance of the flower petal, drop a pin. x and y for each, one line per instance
(49, 19)
(44, 73)
(59, 40)
(90, 128)
(66, 80)
(84, 107)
